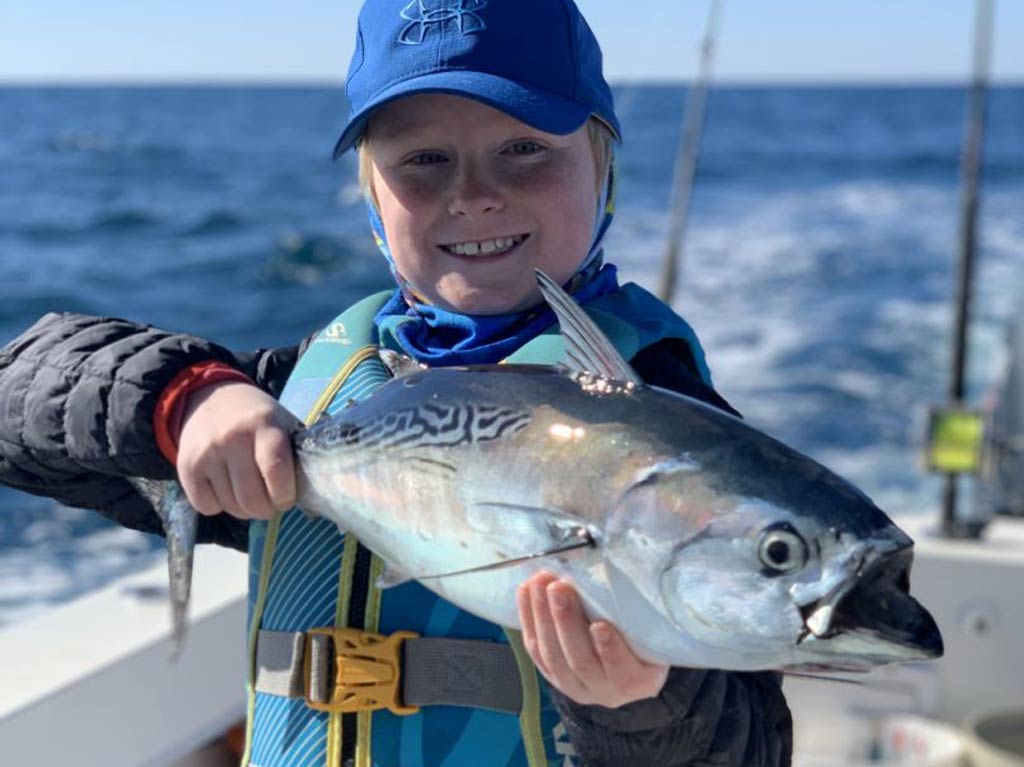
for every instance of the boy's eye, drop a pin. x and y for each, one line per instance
(524, 148)
(426, 158)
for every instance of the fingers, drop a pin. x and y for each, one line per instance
(631, 676)
(276, 467)
(573, 632)
(200, 493)
(542, 638)
(248, 487)
(250, 479)
(237, 486)
(590, 662)
(219, 477)
(527, 623)
(234, 452)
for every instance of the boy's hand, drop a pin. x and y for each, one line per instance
(234, 452)
(589, 662)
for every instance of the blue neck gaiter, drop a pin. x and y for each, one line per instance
(441, 337)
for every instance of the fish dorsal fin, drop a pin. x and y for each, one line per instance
(399, 364)
(587, 349)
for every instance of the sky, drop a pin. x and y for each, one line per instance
(312, 40)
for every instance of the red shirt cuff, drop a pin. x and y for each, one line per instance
(170, 408)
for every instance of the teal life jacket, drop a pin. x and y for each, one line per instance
(304, 574)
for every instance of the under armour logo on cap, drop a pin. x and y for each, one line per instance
(475, 49)
(424, 14)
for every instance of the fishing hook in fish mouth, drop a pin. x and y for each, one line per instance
(578, 538)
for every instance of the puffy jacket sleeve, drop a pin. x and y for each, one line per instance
(77, 395)
(702, 717)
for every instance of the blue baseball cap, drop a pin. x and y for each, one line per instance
(536, 60)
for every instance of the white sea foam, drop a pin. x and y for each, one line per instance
(767, 277)
(35, 576)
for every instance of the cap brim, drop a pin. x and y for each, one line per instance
(532, 105)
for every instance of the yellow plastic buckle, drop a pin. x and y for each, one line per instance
(367, 671)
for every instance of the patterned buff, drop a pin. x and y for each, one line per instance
(439, 337)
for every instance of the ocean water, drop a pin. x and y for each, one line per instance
(818, 266)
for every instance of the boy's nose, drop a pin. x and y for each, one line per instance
(473, 194)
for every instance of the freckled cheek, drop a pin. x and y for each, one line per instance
(563, 197)
(413, 194)
(551, 179)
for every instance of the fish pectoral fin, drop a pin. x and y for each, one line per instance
(524, 530)
(392, 575)
(587, 348)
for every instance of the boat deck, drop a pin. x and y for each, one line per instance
(91, 682)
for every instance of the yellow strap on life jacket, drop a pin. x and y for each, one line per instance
(529, 715)
(267, 560)
(364, 743)
(348, 562)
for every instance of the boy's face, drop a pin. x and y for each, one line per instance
(473, 201)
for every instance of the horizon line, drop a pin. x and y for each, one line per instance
(318, 83)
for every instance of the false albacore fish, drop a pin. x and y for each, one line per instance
(705, 541)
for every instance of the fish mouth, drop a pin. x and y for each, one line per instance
(871, 619)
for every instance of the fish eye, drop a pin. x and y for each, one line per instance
(782, 549)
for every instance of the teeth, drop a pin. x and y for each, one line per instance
(499, 245)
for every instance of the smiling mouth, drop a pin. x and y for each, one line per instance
(496, 247)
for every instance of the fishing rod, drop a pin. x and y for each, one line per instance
(686, 156)
(970, 174)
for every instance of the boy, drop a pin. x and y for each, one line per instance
(484, 130)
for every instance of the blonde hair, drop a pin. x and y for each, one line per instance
(601, 142)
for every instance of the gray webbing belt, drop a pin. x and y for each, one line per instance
(435, 671)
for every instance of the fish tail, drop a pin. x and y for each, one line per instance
(180, 522)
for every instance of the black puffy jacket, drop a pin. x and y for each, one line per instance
(77, 396)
